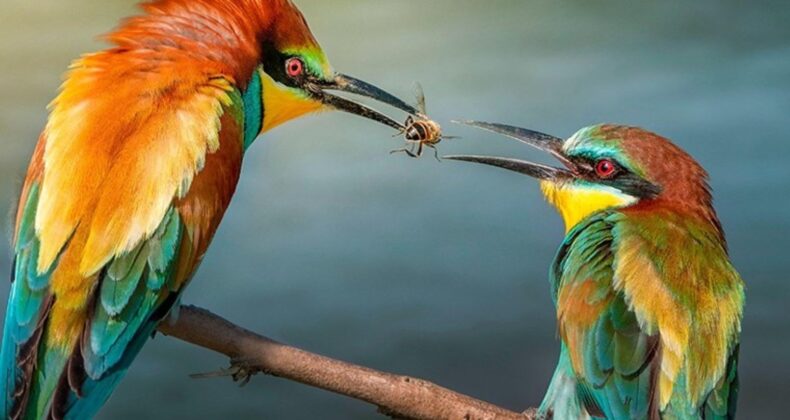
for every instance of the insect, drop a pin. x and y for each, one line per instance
(420, 131)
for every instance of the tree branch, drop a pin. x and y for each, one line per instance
(396, 395)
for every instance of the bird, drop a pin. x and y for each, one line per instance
(648, 303)
(131, 176)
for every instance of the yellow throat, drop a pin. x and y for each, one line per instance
(575, 202)
(282, 104)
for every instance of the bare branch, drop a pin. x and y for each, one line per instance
(396, 395)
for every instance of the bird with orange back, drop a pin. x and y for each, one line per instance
(131, 176)
(648, 303)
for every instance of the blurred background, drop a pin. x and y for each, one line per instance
(439, 270)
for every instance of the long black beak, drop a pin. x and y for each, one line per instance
(540, 141)
(348, 84)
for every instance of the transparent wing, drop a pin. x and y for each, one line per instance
(420, 95)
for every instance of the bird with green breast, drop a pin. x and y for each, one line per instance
(131, 176)
(649, 306)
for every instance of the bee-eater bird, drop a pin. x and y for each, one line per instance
(648, 304)
(131, 176)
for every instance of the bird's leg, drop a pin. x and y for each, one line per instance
(534, 414)
(241, 372)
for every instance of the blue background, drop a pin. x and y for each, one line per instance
(439, 270)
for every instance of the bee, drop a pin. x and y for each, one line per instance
(420, 131)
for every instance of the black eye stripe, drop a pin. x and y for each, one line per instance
(635, 186)
(622, 178)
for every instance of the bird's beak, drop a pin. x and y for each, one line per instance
(544, 142)
(348, 84)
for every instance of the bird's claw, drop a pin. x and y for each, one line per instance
(240, 371)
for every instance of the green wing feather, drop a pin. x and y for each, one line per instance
(137, 290)
(615, 354)
(26, 303)
(614, 360)
(134, 292)
(722, 402)
(130, 302)
(701, 297)
(129, 294)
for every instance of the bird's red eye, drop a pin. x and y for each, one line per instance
(605, 168)
(294, 67)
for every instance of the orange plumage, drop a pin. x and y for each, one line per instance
(129, 181)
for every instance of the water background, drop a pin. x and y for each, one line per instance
(439, 270)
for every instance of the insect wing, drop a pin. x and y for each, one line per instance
(420, 94)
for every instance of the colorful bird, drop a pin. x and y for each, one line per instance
(648, 304)
(131, 176)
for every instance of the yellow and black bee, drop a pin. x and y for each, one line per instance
(420, 131)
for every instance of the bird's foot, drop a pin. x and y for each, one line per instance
(533, 413)
(240, 371)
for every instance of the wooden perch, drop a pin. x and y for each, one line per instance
(396, 395)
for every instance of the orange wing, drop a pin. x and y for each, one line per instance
(126, 188)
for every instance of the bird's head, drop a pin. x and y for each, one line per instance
(263, 47)
(295, 77)
(604, 167)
